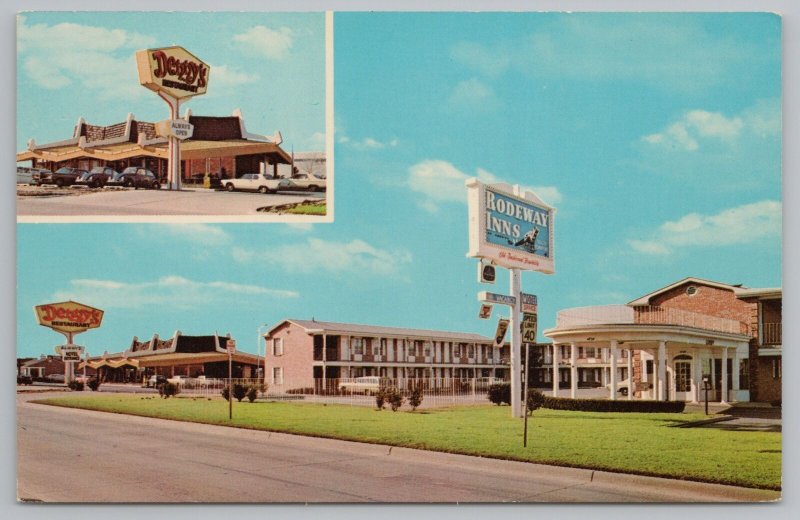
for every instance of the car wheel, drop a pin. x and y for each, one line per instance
(623, 391)
(263, 189)
(313, 188)
(60, 183)
(229, 187)
(129, 183)
(156, 186)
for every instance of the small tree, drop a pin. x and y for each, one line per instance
(394, 398)
(415, 397)
(500, 393)
(226, 393)
(167, 390)
(76, 385)
(252, 393)
(94, 384)
(239, 391)
(535, 401)
(380, 398)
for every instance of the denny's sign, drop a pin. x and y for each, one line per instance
(173, 71)
(68, 317)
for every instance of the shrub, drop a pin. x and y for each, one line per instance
(252, 393)
(380, 398)
(394, 398)
(94, 384)
(167, 390)
(415, 397)
(76, 385)
(304, 391)
(239, 391)
(226, 393)
(535, 400)
(604, 405)
(500, 393)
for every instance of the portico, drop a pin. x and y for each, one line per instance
(666, 355)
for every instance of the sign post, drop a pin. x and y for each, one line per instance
(514, 229)
(231, 347)
(174, 74)
(68, 318)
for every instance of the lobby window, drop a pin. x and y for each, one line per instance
(358, 346)
(277, 375)
(277, 347)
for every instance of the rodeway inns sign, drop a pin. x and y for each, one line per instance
(172, 70)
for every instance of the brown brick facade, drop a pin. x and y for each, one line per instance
(708, 300)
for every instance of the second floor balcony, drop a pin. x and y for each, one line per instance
(647, 315)
(771, 334)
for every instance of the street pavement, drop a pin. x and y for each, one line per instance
(69, 455)
(130, 202)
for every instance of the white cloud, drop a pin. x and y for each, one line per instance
(98, 59)
(474, 94)
(695, 126)
(274, 44)
(225, 78)
(172, 291)
(367, 143)
(439, 181)
(745, 224)
(490, 62)
(316, 255)
(204, 234)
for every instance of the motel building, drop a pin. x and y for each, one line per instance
(316, 354)
(216, 143)
(180, 355)
(669, 340)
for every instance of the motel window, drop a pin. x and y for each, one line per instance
(277, 347)
(417, 348)
(427, 349)
(277, 375)
(358, 346)
(457, 350)
(382, 348)
(744, 373)
(471, 351)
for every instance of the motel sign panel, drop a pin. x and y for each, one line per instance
(512, 230)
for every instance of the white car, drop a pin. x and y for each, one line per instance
(308, 182)
(178, 380)
(259, 182)
(622, 386)
(362, 385)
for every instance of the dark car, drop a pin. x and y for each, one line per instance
(65, 176)
(24, 380)
(133, 177)
(97, 177)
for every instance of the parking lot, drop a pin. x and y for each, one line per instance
(74, 202)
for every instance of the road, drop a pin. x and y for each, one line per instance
(82, 456)
(154, 203)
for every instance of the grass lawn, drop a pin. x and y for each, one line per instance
(308, 209)
(627, 442)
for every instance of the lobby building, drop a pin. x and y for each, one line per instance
(671, 343)
(315, 354)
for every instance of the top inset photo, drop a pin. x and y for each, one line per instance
(174, 117)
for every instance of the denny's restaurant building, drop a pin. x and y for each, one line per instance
(216, 143)
(188, 356)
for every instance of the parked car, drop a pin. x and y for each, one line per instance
(622, 386)
(24, 380)
(54, 378)
(133, 177)
(178, 380)
(154, 381)
(361, 385)
(306, 182)
(27, 175)
(65, 176)
(259, 182)
(97, 177)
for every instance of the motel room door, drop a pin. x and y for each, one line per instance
(683, 377)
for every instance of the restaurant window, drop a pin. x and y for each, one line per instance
(277, 347)
(358, 346)
(277, 375)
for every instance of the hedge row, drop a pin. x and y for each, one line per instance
(605, 405)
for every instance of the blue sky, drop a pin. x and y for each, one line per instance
(656, 136)
(72, 65)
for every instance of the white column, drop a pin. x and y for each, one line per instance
(662, 371)
(573, 370)
(697, 377)
(724, 383)
(555, 370)
(613, 356)
(631, 386)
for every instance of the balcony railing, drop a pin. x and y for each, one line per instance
(647, 314)
(331, 354)
(771, 334)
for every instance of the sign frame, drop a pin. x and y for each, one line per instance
(529, 303)
(528, 327)
(521, 204)
(173, 71)
(71, 311)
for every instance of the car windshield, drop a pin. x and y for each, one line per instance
(97, 169)
(86, 175)
(64, 170)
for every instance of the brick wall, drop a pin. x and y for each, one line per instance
(297, 358)
(768, 385)
(708, 300)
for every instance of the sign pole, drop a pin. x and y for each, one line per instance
(527, 377)
(174, 145)
(516, 388)
(230, 384)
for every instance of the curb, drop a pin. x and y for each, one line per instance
(702, 422)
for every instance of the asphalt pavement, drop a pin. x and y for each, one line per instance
(67, 455)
